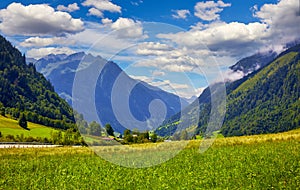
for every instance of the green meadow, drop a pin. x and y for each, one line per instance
(10, 127)
(249, 162)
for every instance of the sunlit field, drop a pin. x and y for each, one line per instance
(10, 126)
(259, 162)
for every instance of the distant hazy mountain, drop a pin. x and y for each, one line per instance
(252, 63)
(265, 101)
(191, 99)
(30, 60)
(60, 70)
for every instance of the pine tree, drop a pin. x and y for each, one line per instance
(109, 130)
(23, 121)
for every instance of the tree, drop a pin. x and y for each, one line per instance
(145, 135)
(109, 130)
(67, 138)
(23, 121)
(2, 109)
(94, 128)
(128, 136)
(56, 137)
(154, 137)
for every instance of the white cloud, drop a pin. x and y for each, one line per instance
(163, 84)
(210, 10)
(153, 48)
(181, 14)
(40, 19)
(230, 75)
(273, 31)
(224, 38)
(39, 42)
(157, 73)
(102, 5)
(136, 3)
(171, 64)
(106, 21)
(99, 40)
(173, 59)
(127, 28)
(95, 12)
(70, 8)
(283, 21)
(41, 52)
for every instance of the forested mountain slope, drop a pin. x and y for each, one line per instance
(265, 101)
(24, 90)
(268, 101)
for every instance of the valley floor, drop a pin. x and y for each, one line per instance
(255, 162)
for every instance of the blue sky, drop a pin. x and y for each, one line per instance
(181, 46)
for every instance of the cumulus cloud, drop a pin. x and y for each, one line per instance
(127, 28)
(181, 14)
(40, 19)
(106, 21)
(276, 27)
(157, 73)
(99, 38)
(171, 64)
(173, 59)
(153, 48)
(283, 21)
(102, 5)
(40, 42)
(95, 12)
(210, 10)
(70, 8)
(224, 38)
(41, 52)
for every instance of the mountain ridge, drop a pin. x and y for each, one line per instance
(61, 73)
(234, 120)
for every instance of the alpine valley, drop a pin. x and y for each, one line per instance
(61, 70)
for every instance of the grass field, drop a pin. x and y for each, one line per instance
(255, 162)
(10, 127)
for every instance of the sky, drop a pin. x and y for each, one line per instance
(180, 46)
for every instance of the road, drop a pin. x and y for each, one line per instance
(27, 146)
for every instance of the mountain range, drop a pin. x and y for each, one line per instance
(265, 100)
(62, 69)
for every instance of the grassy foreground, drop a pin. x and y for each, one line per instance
(255, 162)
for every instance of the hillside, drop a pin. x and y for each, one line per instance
(265, 101)
(11, 127)
(24, 90)
(269, 101)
